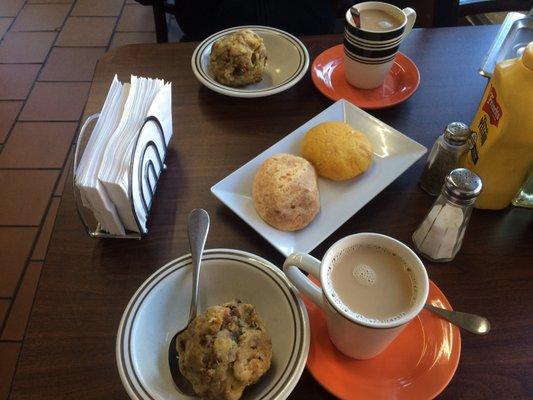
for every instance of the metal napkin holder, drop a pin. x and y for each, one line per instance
(144, 172)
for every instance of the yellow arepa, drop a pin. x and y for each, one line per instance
(337, 151)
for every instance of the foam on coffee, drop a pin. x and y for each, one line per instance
(371, 284)
(364, 275)
(378, 20)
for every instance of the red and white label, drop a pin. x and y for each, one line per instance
(492, 108)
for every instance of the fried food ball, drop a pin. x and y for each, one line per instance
(224, 349)
(238, 59)
(337, 151)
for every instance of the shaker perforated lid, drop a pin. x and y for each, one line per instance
(457, 133)
(461, 185)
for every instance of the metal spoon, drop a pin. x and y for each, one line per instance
(470, 322)
(197, 229)
(356, 17)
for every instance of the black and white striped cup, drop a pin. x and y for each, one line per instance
(368, 54)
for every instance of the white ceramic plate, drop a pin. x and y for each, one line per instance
(393, 154)
(160, 308)
(287, 63)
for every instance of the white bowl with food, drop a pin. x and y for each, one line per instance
(160, 308)
(232, 61)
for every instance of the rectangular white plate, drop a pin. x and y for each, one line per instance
(393, 154)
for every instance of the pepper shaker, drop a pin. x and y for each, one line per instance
(445, 155)
(440, 235)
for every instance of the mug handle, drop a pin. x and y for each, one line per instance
(410, 14)
(308, 264)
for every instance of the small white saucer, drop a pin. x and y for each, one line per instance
(287, 63)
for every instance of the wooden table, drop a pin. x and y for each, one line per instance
(69, 350)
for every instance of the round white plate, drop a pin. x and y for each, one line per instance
(287, 63)
(160, 308)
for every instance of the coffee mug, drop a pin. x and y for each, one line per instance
(369, 54)
(357, 338)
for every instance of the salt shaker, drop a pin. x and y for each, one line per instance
(440, 235)
(445, 155)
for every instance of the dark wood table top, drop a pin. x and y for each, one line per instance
(69, 350)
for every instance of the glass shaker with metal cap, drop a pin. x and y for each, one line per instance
(440, 235)
(445, 155)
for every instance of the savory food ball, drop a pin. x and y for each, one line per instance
(225, 349)
(285, 192)
(238, 59)
(337, 151)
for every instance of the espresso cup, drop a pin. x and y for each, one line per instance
(353, 334)
(369, 54)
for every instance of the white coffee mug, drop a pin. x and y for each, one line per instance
(352, 336)
(369, 55)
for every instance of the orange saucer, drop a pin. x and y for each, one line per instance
(328, 76)
(419, 364)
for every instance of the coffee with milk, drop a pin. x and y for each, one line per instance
(378, 20)
(372, 283)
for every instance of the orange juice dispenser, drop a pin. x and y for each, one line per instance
(501, 147)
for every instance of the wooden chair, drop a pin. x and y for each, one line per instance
(430, 13)
(160, 8)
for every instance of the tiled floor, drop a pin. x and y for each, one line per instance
(48, 52)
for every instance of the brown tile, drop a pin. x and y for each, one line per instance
(55, 101)
(8, 363)
(4, 305)
(16, 80)
(25, 195)
(17, 320)
(41, 17)
(123, 38)
(97, 8)
(15, 247)
(26, 47)
(10, 8)
(71, 64)
(136, 18)
(86, 31)
(4, 25)
(24, 148)
(50, 1)
(63, 178)
(39, 252)
(8, 114)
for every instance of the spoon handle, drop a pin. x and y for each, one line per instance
(356, 16)
(470, 322)
(197, 228)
